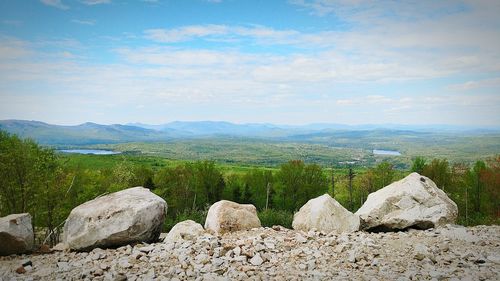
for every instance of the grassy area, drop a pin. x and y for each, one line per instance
(354, 149)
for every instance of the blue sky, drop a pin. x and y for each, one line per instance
(285, 62)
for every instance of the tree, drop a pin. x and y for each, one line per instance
(247, 195)
(143, 176)
(383, 175)
(257, 181)
(475, 178)
(491, 179)
(367, 184)
(459, 190)
(439, 172)
(290, 180)
(32, 181)
(177, 186)
(298, 183)
(234, 185)
(333, 183)
(315, 182)
(418, 165)
(123, 176)
(351, 176)
(149, 184)
(210, 182)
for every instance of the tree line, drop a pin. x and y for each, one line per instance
(37, 180)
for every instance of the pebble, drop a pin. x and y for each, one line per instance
(256, 260)
(279, 254)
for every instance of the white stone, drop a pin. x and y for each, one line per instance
(226, 216)
(184, 230)
(131, 215)
(256, 260)
(414, 201)
(237, 251)
(325, 214)
(16, 234)
(300, 238)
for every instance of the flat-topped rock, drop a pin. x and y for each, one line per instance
(414, 201)
(131, 215)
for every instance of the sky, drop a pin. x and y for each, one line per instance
(251, 61)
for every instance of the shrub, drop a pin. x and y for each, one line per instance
(272, 217)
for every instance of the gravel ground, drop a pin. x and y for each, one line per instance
(449, 253)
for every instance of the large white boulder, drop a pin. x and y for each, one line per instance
(131, 215)
(184, 230)
(414, 201)
(325, 214)
(226, 216)
(16, 234)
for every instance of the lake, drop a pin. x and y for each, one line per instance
(90, 151)
(386, 152)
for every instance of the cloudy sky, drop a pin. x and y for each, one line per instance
(285, 62)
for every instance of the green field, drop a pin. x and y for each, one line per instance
(353, 148)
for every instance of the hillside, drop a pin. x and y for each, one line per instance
(83, 134)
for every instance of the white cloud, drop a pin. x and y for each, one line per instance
(184, 33)
(84, 22)
(55, 3)
(12, 49)
(476, 84)
(95, 2)
(12, 22)
(221, 33)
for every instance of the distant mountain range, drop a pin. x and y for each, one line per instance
(91, 133)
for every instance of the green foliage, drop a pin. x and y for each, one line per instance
(418, 165)
(271, 217)
(190, 186)
(439, 171)
(298, 182)
(383, 175)
(32, 180)
(177, 185)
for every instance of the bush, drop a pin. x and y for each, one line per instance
(272, 217)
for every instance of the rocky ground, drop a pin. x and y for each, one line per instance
(449, 253)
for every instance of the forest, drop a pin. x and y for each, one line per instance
(48, 184)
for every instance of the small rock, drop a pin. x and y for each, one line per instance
(351, 256)
(21, 270)
(26, 262)
(237, 251)
(98, 272)
(63, 266)
(256, 260)
(120, 277)
(300, 238)
(421, 252)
